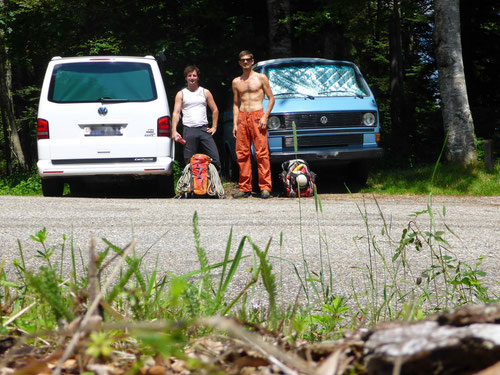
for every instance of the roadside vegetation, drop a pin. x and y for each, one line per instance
(448, 180)
(107, 312)
(441, 179)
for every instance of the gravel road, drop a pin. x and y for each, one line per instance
(164, 231)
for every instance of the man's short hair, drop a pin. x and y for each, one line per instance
(244, 53)
(188, 69)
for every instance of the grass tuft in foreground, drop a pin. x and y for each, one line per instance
(116, 308)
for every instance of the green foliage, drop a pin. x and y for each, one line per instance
(102, 46)
(326, 324)
(449, 180)
(206, 283)
(395, 290)
(100, 345)
(168, 342)
(268, 278)
(355, 30)
(175, 305)
(177, 171)
(21, 183)
(46, 252)
(46, 284)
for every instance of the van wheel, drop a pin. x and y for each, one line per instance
(165, 186)
(52, 187)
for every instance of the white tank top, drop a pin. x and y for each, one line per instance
(194, 108)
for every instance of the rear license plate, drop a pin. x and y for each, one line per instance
(103, 131)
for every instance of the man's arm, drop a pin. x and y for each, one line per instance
(215, 111)
(236, 107)
(177, 113)
(266, 87)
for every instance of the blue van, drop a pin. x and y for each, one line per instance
(334, 111)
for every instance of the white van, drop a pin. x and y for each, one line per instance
(103, 117)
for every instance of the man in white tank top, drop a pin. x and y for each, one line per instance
(193, 101)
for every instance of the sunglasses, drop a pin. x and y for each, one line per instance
(246, 60)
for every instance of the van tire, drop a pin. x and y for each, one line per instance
(165, 186)
(52, 187)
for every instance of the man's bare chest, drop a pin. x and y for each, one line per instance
(249, 86)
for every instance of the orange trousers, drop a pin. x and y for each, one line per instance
(248, 132)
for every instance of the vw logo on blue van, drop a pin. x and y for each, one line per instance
(103, 111)
(323, 120)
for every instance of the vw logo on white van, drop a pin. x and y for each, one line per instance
(103, 111)
(323, 120)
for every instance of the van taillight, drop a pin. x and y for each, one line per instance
(164, 127)
(42, 131)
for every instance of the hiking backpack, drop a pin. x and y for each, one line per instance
(297, 169)
(200, 178)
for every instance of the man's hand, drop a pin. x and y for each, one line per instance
(212, 130)
(235, 129)
(263, 122)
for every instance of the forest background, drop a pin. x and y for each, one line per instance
(391, 41)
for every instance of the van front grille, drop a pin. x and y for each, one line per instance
(340, 140)
(325, 120)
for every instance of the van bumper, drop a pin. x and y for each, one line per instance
(73, 168)
(340, 156)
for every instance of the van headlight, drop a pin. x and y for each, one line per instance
(369, 119)
(273, 123)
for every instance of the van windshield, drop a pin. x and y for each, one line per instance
(85, 82)
(315, 80)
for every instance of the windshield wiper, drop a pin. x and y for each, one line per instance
(349, 92)
(111, 100)
(295, 93)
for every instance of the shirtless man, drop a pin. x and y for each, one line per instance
(250, 125)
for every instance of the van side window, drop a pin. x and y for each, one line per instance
(90, 82)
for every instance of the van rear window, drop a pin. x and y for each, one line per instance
(312, 79)
(85, 82)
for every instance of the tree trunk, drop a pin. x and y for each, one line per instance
(280, 36)
(399, 131)
(6, 103)
(6, 146)
(457, 117)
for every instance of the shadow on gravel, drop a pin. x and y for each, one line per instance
(122, 189)
(336, 181)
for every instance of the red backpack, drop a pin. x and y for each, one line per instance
(199, 174)
(297, 177)
(200, 178)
